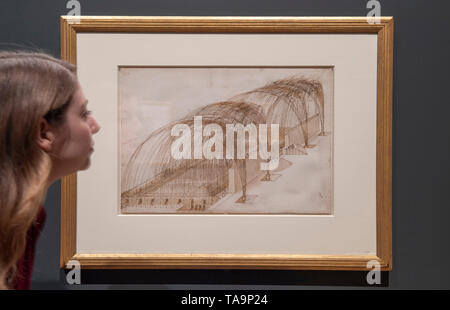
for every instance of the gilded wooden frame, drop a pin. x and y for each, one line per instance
(70, 26)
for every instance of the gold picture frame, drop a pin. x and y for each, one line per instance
(71, 26)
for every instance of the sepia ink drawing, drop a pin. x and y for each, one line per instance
(263, 150)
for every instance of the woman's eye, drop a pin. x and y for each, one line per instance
(86, 113)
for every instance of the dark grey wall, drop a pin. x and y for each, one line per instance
(421, 140)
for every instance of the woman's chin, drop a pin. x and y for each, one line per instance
(87, 164)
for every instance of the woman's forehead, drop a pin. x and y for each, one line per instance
(79, 99)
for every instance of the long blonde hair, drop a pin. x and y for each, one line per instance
(33, 87)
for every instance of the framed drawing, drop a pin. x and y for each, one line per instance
(232, 142)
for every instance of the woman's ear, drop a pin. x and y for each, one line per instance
(46, 136)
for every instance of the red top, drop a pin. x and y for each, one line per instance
(25, 263)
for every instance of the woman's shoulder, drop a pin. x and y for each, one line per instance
(25, 263)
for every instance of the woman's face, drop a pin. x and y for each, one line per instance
(73, 140)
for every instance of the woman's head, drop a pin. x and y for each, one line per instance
(38, 97)
(45, 133)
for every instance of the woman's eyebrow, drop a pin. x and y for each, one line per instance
(84, 104)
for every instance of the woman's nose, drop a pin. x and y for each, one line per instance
(95, 127)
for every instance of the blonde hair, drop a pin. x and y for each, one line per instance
(33, 86)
